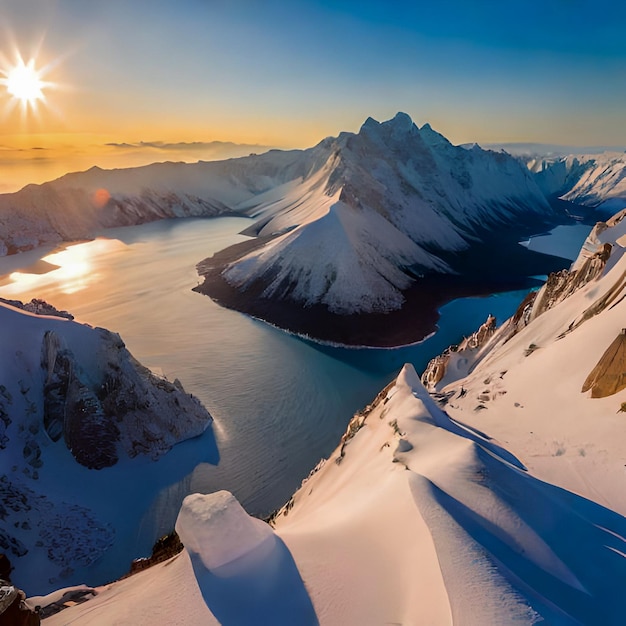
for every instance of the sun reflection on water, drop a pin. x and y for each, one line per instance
(72, 269)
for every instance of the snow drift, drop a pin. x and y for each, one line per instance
(245, 573)
(217, 529)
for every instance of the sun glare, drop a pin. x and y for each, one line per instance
(23, 82)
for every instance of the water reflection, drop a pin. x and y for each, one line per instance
(69, 270)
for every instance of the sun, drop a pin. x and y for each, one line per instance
(24, 82)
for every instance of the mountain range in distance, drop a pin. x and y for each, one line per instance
(544, 150)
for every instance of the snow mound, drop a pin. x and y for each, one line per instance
(217, 528)
(348, 260)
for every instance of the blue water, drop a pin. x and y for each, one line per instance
(280, 403)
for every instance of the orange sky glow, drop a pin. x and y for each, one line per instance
(129, 83)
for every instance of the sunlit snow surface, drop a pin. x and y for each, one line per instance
(448, 530)
(218, 530)
(245, 572)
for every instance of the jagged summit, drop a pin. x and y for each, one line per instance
(405, 193)
(398, 127)
(399, 124)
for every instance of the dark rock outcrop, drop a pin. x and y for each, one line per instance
(13, 609)
(163, 549)
(39, 307)
(123, 408)
(561, 285)
(437, 367)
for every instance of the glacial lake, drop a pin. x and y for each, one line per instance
(280, 403)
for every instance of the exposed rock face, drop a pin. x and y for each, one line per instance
(609, 375)
(126, 409)
(558, 287)
(561, 285)
(163, 549)
(437, 367)
(39, 307)
(68, 386)
(13, 608)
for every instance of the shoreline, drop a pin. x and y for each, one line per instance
(414, 322)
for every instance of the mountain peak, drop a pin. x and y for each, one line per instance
(398, 126)
(401, 120)
(369, 124)
(432, 137)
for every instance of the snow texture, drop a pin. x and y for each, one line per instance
(246, 574)
(596, 180)
(218, 530)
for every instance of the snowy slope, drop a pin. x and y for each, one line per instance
(77, 204)
(414, 519)
(358, 229)
(506, 508)
(524, 383)
(81, 426)
(596, 180)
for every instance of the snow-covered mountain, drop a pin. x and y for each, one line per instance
(78, 204)
(81, 426)
(433, 193)
(529, 150)
(375, 211)
(499, 499)
(594, 180)
(347, 226)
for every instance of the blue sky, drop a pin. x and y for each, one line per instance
(289, 73)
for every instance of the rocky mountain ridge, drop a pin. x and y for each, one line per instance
(74, 407)
(354, 235)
